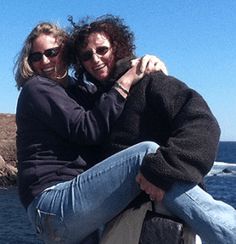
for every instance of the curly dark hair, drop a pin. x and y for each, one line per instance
(119, 35)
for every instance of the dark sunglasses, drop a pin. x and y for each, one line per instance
(49, 53)
(101, 51)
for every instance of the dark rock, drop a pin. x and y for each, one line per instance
(227, 171)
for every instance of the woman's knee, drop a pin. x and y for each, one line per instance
(149, 146)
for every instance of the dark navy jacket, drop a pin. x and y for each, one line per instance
(51, 127)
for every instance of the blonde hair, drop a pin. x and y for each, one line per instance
(22, 68)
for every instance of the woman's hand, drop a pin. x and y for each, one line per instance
(140, 67)
(155, 193)
(149, 63)
(131, 77)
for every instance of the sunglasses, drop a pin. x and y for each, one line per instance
(101, 51)
(49, 53)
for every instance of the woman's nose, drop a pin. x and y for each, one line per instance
(45, 59)
(95, 57)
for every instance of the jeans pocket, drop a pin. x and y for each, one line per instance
(50, 227)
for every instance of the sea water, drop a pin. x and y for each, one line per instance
(15, 227)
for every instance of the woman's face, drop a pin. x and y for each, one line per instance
(46, 57)
(98, 57)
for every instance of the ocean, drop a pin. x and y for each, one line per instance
(15, 227)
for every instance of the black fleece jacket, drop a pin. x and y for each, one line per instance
(163, 109)
(51, 127)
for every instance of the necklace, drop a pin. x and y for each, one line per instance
(63, 76)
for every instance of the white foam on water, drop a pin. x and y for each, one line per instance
(218, 168)
(224, 164)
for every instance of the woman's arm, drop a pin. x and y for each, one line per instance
(51, 108)
(191, 129)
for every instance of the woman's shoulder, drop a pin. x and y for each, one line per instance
(38, 82)
(166, 82)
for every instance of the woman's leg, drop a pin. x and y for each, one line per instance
(74, 209)
(214, 221)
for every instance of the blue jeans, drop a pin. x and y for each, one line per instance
(71, 211)
(214, 221)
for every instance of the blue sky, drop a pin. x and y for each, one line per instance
(196, 40)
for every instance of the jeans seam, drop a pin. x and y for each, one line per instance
(211, 218)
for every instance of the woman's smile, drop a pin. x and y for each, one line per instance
(98, 58)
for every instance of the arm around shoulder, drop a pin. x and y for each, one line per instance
(48, 103)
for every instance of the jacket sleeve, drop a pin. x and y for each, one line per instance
(190, 150)
(50, 104)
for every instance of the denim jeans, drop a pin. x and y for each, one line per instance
(214, 221)
(70, 211)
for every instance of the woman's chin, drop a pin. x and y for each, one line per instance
(102, 77)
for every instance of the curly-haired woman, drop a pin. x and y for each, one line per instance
(165, 110)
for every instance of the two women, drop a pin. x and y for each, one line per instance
(67, 198)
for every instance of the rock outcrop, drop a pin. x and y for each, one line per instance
(7, 173)
(8, 161)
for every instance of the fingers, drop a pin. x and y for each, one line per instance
(158, 196)
(149, 63)
(161, 66)
(134, 61)
(154, 192)
(137, 63)
(146, 64)
(137, 75)
(130, 78)
(155, 64)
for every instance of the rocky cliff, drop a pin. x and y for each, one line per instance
(8, 161)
